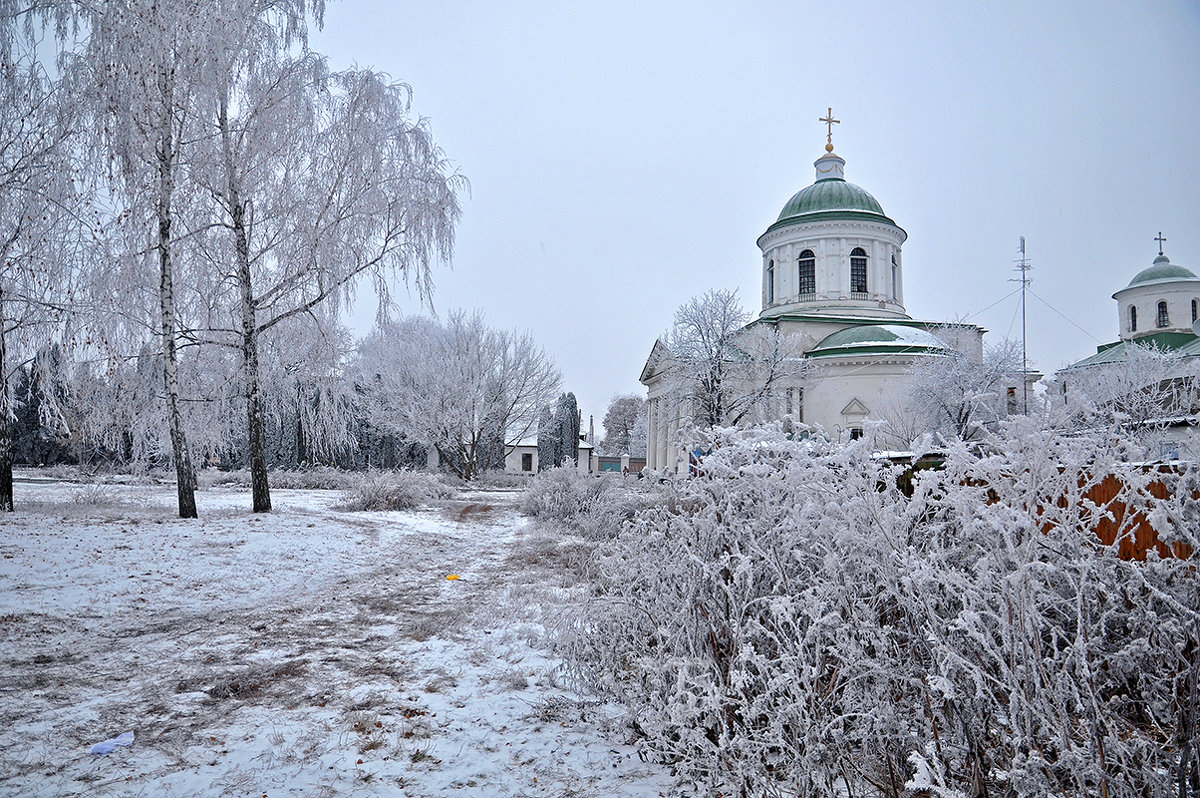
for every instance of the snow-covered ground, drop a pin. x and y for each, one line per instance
(307, 652)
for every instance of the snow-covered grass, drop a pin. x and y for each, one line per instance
(309, 651)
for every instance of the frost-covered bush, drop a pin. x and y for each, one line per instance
(308, 479)
(792, 624)
(393, 490)
(595, 505)
(95, 495)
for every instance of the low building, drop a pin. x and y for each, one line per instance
(523, 458)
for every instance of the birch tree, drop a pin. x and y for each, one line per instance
(42, 223)
(317, 180)
(141, 65)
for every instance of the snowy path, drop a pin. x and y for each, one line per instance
(308, 652)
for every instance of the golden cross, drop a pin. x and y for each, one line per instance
(829, 122)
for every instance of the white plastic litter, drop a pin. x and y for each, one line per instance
(111, 744)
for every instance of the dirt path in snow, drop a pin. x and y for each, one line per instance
(308, 652)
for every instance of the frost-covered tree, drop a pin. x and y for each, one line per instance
(558, 433)
(954, 397)
(317, 180)
(138, 72)
(458, 387)
(308, 398)
(42, 215)
(639, 436)
(620, 422)
(1131, 399)
(548, 448)
(723, 369)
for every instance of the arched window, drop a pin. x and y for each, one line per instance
(858, 271)
(770, 282)
(1163, 319)
(1133, 318)
(1193, 311)
(895, 292)
(808, 272)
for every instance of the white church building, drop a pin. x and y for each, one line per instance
(832, 275)
(1159, 310)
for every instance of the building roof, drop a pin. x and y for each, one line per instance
(1160, 271)
(879, 338)
(831, 194)
(831, 197)
(1183, 344)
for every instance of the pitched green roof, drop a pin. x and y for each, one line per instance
(1179, 343)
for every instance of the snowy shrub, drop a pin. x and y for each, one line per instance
(792, 624)
(310, 479)
(95, 495)
(595, 505)
(393, 490)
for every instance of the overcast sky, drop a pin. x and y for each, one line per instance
(624, 157)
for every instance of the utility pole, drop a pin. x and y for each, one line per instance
(1024, 268)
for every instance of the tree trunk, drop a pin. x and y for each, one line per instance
(6, 447)
(260, 487)
(185, 475)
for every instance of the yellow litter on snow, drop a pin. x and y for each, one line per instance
(452, 577)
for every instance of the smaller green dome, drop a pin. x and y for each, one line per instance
(1162, 269)
(878, 338)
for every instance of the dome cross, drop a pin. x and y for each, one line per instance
(829, 123)
(1159, 238)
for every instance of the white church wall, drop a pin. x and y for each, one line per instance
(880, 386)
(831, 243)
(1178, 295)
(966, 339)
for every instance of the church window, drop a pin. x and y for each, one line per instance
(856, 433)
(1163, 319)
(858, 271)
(770, 282)
(1133, 318)
(895, 293)
(1193, 310)
(527, 461)
(808, 272)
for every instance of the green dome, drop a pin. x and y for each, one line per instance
(878, 338)
(829, 195)
(1162, 269)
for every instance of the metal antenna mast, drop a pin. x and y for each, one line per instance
(1024, 268)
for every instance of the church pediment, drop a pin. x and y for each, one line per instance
(658, 353)
(855, 410)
